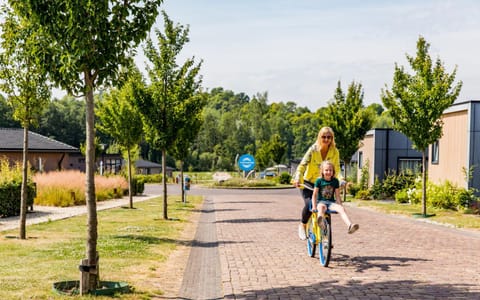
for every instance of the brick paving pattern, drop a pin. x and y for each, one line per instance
(389, 257)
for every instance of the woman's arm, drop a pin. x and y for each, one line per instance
(298, 177)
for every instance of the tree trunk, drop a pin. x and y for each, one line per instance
(345, 164)
(424, 183)
(182, 184)
(129, 178)
(164, 182)
(24, 193)
(92, 235)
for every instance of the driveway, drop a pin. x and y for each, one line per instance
(246, 247)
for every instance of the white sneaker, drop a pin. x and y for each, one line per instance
(301, 232)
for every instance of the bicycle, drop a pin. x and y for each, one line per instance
(320, 234)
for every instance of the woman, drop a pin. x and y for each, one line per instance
(309, 170)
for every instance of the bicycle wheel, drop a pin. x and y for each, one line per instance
(311, 238)
(325, 243)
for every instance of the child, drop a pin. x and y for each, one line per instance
(326, 191)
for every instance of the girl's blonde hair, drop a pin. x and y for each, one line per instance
(323, 131)
(324, 164)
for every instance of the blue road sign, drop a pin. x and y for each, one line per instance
(246, 162)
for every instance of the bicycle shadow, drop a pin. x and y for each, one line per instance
(364, 263)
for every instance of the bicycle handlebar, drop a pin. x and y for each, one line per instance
(306, 186)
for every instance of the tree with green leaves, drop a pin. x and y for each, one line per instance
(87, 44)
(192, 107)
(416, 102)
(6, 114)
(25, 83)
(350, 121)
(119, 117)
(64, 120)
(171, 88)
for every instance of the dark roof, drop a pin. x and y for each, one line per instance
(11, 139)
(140, 163)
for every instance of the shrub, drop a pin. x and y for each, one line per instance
(376, 191)
(241, 182)
(465, 198)
(401, 196)
(393, 182)
(442, 196)
(353, 189)
(10, 188)
(285, 178)
(138, 185)
(150, 178)
(364, 175)
(363, 195)
(10, 198)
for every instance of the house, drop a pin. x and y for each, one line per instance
(44, 154)
(459, 147)
(386, 150)
(148, 167)
(457, 151)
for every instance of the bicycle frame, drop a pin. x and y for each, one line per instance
(321, 235)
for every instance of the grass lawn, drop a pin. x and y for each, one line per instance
(133, 245)
(451, 218)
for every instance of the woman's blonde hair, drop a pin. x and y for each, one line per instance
(324, 164)
(321, 132)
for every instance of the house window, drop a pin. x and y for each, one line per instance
(360, 159)
(409, 164)
(435, 153)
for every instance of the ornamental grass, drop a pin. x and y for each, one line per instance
(67, 188)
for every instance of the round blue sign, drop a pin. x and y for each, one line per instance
(246, 162)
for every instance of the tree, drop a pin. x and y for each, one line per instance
(26, 85)
(350, 121)
(119, 118)
(64, 120)
(6, 114)
(416, 102)
(192, 121)
(87, 42)
(171, 87)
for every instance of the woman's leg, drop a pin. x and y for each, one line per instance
(307, 199)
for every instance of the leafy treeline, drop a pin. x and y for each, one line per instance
(233, 124)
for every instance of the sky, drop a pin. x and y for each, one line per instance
(298, 50)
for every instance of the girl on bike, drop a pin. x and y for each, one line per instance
(309, 170)
(326, 195)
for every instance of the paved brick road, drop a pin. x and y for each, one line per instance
(260, 256)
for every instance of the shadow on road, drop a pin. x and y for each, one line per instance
(363, 263)
(402, 289)
(256, 220)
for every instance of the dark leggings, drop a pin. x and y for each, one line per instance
(307, 199)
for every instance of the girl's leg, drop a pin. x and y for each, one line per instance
(341, 210)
